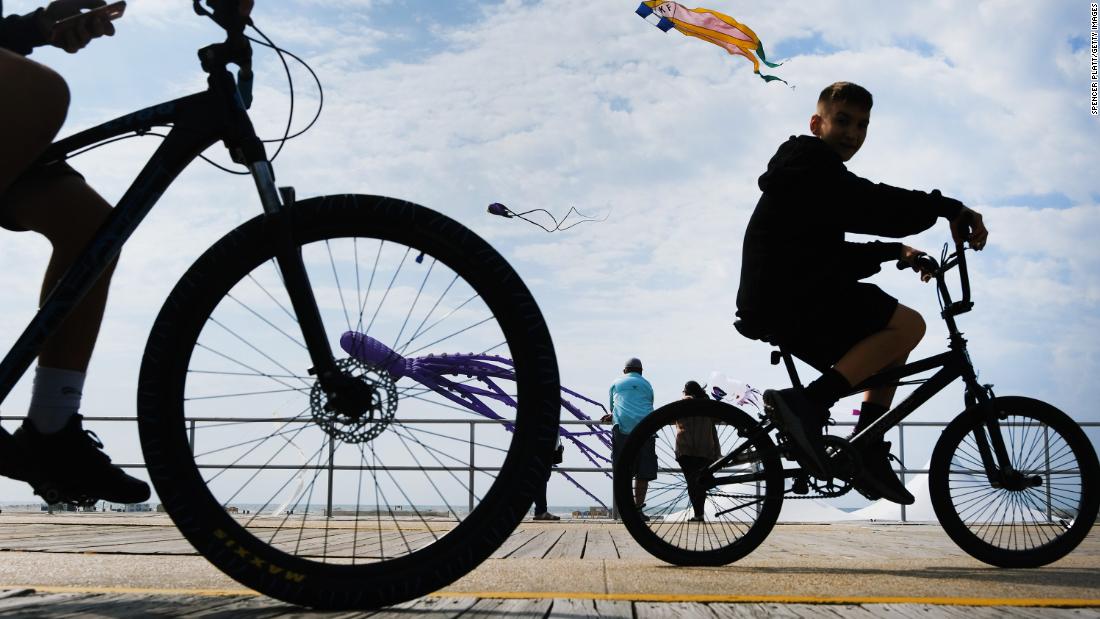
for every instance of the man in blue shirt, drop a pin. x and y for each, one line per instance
(631, 399)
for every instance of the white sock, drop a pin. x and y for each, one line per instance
(55, 398)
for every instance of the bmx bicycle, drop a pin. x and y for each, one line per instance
(1012, 480)
(247, 415)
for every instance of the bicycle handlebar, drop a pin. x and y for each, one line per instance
(236, 48)
(928, 264)
(925, 264)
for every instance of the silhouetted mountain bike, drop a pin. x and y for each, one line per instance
(1013, 480)
(312, 477)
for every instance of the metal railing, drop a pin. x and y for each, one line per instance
(471, 467)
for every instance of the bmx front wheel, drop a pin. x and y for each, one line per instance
(1036, 516)
(277, 483)
(688, 519)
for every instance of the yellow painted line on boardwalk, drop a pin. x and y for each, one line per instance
(627, 597)
(774, 599)
(133, 590)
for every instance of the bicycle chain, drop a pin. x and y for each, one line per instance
(783, 445)
(787, 494)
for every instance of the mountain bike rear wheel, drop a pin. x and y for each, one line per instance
(281, 489)
(1028, 521)
(736, 515)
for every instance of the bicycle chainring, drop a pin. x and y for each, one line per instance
(366, 421)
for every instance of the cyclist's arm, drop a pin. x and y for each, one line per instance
(877, 208)
(21, 33)
(860, 260)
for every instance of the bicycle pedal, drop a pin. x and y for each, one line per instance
(800, 486)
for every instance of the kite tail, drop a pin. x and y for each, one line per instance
(772, 78)
(760, 53)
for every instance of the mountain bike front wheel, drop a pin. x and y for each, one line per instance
(691, 517)
(289, 493)
(1036, 515)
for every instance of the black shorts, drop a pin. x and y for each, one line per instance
(58, 169)
(646, 469)
(821, 335)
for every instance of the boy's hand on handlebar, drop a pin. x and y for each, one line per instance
(72, 39)
(909, 256)
(968, 226)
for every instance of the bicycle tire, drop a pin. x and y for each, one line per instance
(1029, 527)
(448, 546)
(720, 538)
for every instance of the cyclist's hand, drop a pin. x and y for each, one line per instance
(909, 256)
(74, 38)
(968, 226)
(605, 419)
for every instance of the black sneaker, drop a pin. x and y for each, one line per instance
(796, 416)
(70, 465)
(13, 459)
(878, 478)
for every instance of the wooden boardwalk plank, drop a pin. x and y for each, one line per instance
(675, 610)
(494, 609)
(570, 545)
(626, 546)
(428, 608)
(598, 544)
(518, 539)
(605, 609)
(539, 546)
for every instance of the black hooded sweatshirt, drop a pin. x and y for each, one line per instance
(19, 33)
(795, 255)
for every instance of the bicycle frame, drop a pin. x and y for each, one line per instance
(197, 122)
(953, 364)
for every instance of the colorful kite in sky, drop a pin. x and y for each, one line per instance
(710, 26)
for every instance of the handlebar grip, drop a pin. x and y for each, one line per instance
(924, 264)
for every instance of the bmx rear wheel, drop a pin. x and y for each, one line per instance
(1037, 516)
(423, 475)
(738, 511)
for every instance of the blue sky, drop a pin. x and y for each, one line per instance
(458, 104)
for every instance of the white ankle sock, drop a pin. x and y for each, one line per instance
(55, 398)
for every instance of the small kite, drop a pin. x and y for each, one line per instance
(710, 26)
(496, 208)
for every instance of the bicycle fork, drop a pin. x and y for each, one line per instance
(279, 207)
(995, 457)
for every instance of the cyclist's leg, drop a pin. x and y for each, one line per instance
(61, 458)
(64, 209)
(33, 104)
(884, 349)
(889, 347)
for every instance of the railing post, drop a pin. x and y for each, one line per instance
(191, 436)
(901, 459)
(331, 470)
(473, 426)
(1046, 454)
